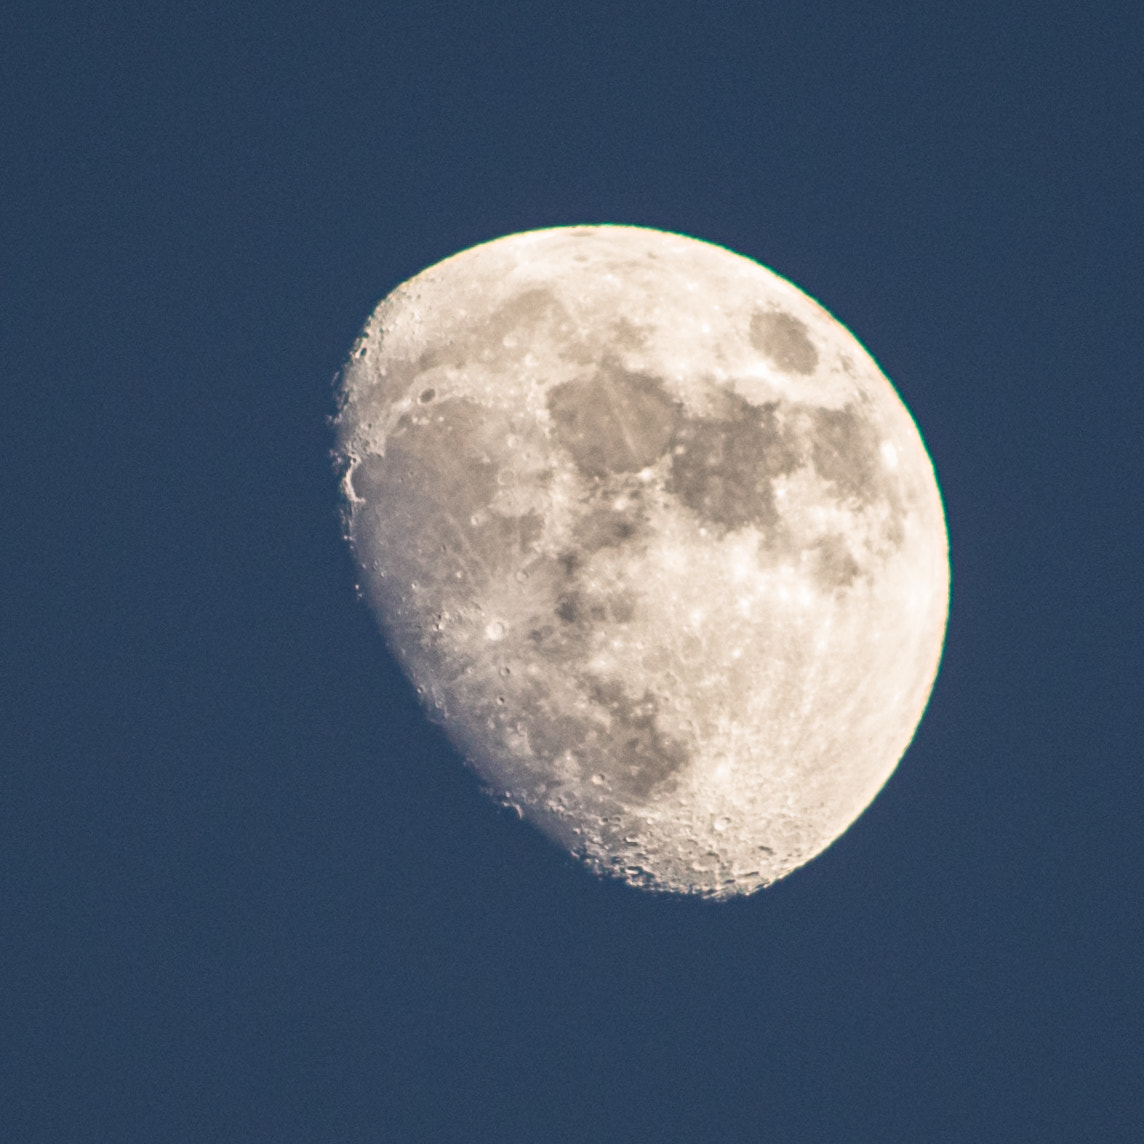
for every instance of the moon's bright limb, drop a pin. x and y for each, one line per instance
(656, 541)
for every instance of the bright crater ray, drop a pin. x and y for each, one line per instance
(655, 539)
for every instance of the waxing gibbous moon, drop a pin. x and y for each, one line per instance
(656, 541)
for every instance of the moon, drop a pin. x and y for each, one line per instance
(656, 542)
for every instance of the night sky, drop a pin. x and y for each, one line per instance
(247, 891)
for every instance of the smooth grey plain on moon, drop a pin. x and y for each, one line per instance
(656, 541)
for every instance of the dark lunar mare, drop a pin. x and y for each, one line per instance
(613, 422)
(723, 469)
(784, 341)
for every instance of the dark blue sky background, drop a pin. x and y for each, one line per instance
(247, 893)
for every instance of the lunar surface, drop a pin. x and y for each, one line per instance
(656, 541)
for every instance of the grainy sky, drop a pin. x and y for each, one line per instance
(247, 893)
